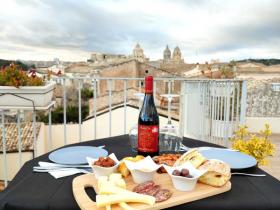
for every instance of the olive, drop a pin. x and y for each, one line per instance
(176, 173)
(185, 172)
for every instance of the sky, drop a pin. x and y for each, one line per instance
(203, 29)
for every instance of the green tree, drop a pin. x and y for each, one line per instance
(72, 114)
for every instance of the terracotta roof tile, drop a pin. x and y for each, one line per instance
(12, 136)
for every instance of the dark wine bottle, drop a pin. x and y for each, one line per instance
(148, 123)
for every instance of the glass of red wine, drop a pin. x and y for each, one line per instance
(170, 136)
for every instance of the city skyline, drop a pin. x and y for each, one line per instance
(204, 30)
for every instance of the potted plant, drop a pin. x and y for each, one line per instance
(17, 89)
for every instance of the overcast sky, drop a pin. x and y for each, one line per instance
(203, 29)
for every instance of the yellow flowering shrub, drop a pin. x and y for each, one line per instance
(258, 146)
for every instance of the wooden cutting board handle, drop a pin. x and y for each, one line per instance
(78, 185)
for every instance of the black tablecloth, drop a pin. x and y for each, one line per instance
(40, 191)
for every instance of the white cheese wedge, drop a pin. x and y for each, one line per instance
(103, 200)
(108, 207)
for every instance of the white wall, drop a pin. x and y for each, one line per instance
(102, 123)
(72, 131)
(255, 124)
(13, 163)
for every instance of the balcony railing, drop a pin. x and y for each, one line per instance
(208, 110)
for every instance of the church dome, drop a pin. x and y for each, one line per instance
(177, 55)
(137, 46)
(138, 51)
(166, 53)
(177, 51)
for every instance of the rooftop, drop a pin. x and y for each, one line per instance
(12, 136)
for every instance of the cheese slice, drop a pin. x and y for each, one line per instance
(125, 206)
(116, 179)
(120, 183)
(115, 176)
(103, 200)
(109, 188)
(101, 180)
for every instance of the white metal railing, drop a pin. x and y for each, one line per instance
(212, 110)
(203, 99)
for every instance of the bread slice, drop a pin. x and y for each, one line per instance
(122, 167)
(193, 156)
(217, 175)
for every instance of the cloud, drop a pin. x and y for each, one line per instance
(203, 29)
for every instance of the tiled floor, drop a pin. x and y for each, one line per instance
(274, 165)
(1, 186)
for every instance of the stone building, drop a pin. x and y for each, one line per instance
(166, 55)
(138, 54)
(177, 55)
(135, 69)
(136, 65)
(105, 58)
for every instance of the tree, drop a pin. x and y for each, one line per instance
(72, 114)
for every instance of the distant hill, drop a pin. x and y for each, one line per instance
(22, 65)
(267, 62)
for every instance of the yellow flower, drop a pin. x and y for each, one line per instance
(258, 146)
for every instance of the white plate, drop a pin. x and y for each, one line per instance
(76, 154)
(236, 160)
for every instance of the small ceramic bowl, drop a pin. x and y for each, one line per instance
(140, 176)
(142, 170)
(103, 171)
(184, 183)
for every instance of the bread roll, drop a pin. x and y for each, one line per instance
(193, 156)
(217, 175)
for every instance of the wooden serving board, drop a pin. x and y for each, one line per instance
(178, 197)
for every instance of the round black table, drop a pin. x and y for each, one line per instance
(40, 191)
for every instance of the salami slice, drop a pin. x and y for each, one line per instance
(152, 191)
(143, 187)
(163, 195)
(150, 188)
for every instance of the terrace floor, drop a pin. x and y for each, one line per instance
(1, 186)
(274, 167)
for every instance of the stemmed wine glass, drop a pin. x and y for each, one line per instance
(170, 136)
(133, 132)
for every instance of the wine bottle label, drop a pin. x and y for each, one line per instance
(148, 138)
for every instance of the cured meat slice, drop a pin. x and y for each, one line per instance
(152, 191)
(150, 188)
(167, 159)
(163, 195)
(143, 187)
